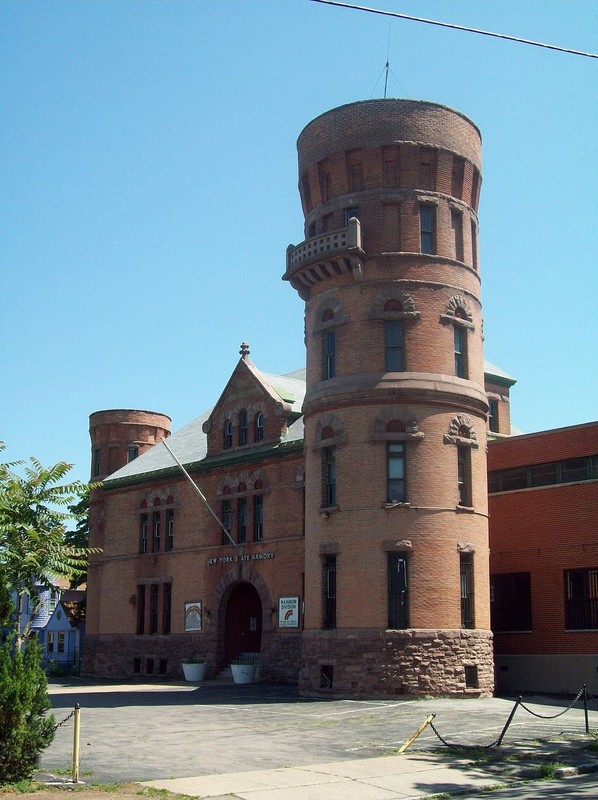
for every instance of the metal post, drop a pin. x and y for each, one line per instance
(585, 708)
(76, 744)
(511, 715)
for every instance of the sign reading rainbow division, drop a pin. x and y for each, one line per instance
(288, 612)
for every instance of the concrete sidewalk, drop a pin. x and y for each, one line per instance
(395, 777)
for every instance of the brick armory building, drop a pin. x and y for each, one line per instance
(349, 540)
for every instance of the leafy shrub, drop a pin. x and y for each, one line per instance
(24, 729)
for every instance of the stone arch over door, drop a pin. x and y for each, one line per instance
(243, 589)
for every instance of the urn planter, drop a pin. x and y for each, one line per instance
(243, 673)
(194, 671)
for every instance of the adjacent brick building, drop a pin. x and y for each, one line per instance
(344, 537)
(544, 559)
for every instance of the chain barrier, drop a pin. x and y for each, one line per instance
(66, 719)
(464, 746)
(553, 716)
(497, 742)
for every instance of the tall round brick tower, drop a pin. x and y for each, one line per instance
(396, 564)
(120, 435)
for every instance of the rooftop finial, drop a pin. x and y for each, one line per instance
(244, 351)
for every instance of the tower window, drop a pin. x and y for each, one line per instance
(427, 215)
(493, 416)
(97, 461)
(330, 592)
(457, 229)
(460, 349)
(457, 177)
(393, 345)
(329, 476)
(395, 467)
(398, 591)
(350, 212)
(466, 577)
(464, 475)
(474, 244)
(329, 354)
(132, 453)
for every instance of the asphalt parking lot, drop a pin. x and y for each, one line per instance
(139, 732)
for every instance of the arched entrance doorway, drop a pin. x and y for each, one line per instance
(243, 623)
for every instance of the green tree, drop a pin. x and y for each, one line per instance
(25, 730)
(79, 536)
(34, 508)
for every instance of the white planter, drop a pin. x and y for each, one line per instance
(243, 673)
(194, 671)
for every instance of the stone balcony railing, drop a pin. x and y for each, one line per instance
(325, 256)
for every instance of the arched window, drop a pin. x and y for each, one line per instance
(258, 427)
(228, 434)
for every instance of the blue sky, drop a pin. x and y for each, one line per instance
(149, 192)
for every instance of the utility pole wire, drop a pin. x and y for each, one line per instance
(457, 27)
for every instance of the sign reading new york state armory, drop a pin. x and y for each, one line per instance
(234, 559)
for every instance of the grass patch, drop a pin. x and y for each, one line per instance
(549, 770)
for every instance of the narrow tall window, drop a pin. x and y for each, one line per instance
(330, 592)
(398, 591)
(464, 475)
(474, 244)
(97, 461)
(427, 168)
(493, 416)
(166, 607)
(393, 345)
(132, 453)
(50, 642)
(141, 609)
(466, 576)
(258, 427)
(153, 626)
(156, 532)
(457, 177)
(243, 426)
(258, 517)
(242, 520)
(169, 529)
(329, 354)
(143, 533)
(227, 520)
(460, 349)
(457, 229)
(426, 225)
(395, 460)
(61, 641)
(329, 476)
(228, 434)
(581, 599)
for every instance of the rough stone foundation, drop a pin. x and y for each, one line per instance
(373, 663)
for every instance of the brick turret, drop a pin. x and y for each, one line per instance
(396, 583)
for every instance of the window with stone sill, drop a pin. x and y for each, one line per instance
(427, 223)
(243, 426)
(398, 590)
(228, 434)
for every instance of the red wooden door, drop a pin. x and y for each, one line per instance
(243, 622)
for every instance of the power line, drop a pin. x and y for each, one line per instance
(457, 27)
